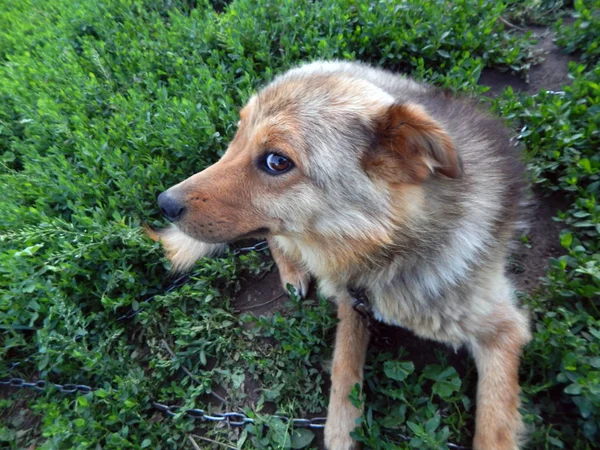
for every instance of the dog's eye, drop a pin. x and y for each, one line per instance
(276, 164)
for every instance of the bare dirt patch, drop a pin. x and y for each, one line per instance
(552, 73)
(531, 261)
(260, 297)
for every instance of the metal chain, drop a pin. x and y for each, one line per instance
(234, 419)
(260, 246)
(237, 419)
(41, 385)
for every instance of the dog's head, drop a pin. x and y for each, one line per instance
(316, 155)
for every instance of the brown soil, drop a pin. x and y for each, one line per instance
(531, 261)
(262, 297)
(552, 73)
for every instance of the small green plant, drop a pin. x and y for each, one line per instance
(582, 35)
(426, 408)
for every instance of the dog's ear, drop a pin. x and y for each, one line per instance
(410, 146)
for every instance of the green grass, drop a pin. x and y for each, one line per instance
(105, 104)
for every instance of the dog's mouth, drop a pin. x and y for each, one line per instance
(258, 233)
(254, 234)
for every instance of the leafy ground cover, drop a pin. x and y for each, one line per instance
(105, 104)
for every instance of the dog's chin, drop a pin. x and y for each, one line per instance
(182, 249)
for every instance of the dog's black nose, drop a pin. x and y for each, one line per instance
(170, 207)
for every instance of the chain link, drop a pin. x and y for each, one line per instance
(41, 385)
(259, 247)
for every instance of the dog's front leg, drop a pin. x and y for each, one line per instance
(290, 272)
(351, 341)
(498, 422)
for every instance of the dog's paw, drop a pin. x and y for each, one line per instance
(341, 421)
(483, 441)
(297, 278)
(337, 436)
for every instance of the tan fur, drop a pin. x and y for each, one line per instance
(396, 188)
(497, 356)
(289, 271)
(182, 250)
(352, 339)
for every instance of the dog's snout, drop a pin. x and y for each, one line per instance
(170, 206)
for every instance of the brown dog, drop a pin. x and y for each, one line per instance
(360, 177)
